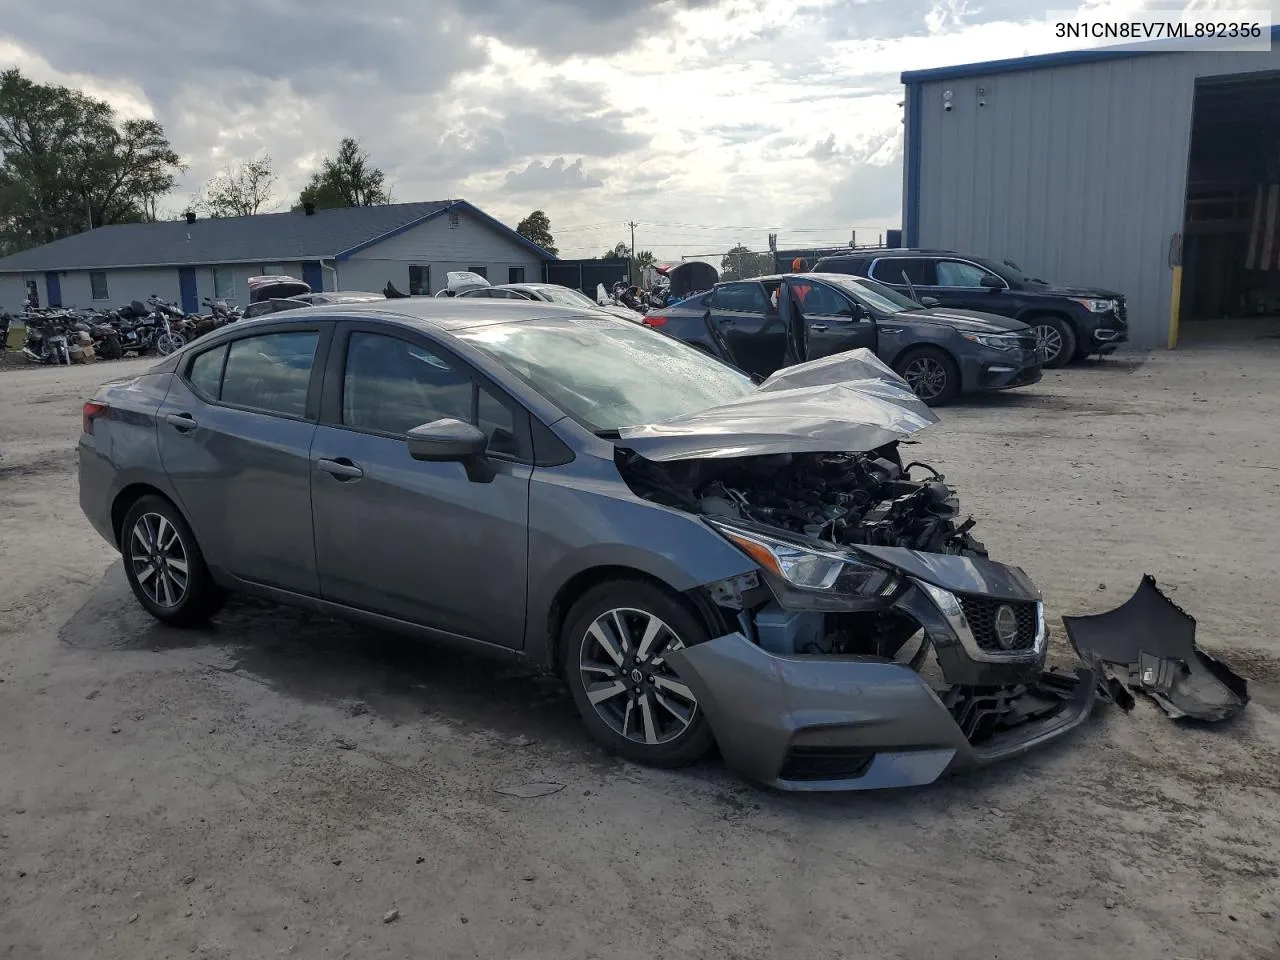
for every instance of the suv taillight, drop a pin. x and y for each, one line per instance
(90, 412)
(654, 320)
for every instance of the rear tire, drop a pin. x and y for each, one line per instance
(932, 374)
(632, 703)
(111, 349)
(164, 565)
(1057, 340)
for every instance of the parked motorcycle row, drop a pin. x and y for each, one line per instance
(64, 336)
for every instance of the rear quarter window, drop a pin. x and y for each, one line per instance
(205, 372)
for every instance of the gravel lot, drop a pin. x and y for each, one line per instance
(278, 784)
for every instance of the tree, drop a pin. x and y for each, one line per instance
(741, 262)
(347, 180)
(644, 258)
(238, 191)
(68, 164)
(536, 228)
(620, 251)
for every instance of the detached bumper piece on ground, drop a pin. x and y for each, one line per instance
(1148, 644)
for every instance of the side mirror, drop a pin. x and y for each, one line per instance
(930, 302)
(991, 283)
(452, 441)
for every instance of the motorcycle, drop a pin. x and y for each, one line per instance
(171, 326)
(102, 335)
(47, 340)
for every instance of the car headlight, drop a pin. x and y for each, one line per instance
(996, 341)
(808, 578)
(1097, 306)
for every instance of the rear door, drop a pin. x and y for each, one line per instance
(418, 541)
(235, 436)
(835, 323)
(905, 274)
(749, 326)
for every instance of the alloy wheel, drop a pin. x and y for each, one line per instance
(628, 681)
(1048, 342)
(159, 560)
(927, 377)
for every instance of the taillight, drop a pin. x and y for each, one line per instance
(654, 320)
(90, 412)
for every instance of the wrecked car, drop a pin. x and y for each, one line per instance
(704, 559)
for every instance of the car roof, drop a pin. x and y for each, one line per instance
(441, 313)
(880, 254)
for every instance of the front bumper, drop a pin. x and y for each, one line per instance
(826, 722)
(987, 369)
(1111, 331)
(815, 723)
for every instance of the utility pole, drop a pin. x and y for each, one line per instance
(631, 263)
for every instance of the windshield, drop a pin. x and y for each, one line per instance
(608, 373)
(568, 296)
(871, 294)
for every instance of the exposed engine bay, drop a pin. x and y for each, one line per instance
(843, 498)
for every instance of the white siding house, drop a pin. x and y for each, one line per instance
(411, 245)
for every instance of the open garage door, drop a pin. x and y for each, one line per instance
(1231, 234)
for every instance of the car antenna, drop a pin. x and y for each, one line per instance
(912, 287)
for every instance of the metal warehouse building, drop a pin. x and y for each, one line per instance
(1151, 170)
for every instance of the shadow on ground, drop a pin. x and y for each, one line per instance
(319, 659)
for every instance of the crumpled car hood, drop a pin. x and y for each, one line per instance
(849, 402)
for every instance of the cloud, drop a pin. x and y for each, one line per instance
(550, 177)
(823, 149)
(704, 117)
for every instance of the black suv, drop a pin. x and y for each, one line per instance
(1070, 322)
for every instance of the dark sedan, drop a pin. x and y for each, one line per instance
(767, 323)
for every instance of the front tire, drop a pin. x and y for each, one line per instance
(164, 565)
(111, 349)
(631, 701)
(170, 342)
(1056, 340)
(932, 375)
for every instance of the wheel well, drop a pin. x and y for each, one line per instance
(580, 583)
(125, 500)
(926, 348)
(1031, 315)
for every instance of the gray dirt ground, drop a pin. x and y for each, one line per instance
(164, 794)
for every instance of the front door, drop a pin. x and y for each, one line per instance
(235, 434)
(412, 540)
(960, 284)
(187, 289)
(749, 326)
(834, 323)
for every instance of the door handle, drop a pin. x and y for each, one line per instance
(818, 326)
(182, 422)
(890, 329)
(342, 469)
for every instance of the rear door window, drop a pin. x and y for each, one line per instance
(271, 372)
(890, 270)
(205, 372)
(743, 297)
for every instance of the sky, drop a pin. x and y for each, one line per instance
(708, 123)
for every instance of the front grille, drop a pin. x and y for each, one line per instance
(981, 613)
(825, 763)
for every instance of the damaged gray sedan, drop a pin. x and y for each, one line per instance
(706, 560)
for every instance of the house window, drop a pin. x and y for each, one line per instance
(224, 284)
(480, 271)
(274, 270)
(419, 281)
(515, 274)
(98, 285)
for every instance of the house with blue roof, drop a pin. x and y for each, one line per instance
(411, 245)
